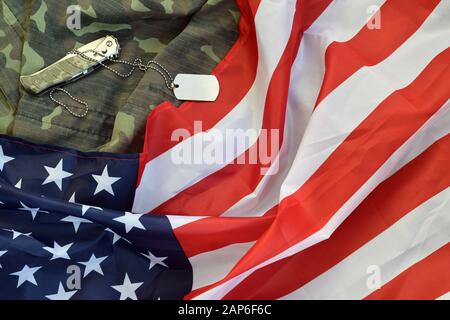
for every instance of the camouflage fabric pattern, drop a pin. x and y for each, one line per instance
(185, 36)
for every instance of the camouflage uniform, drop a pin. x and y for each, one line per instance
(186, 36)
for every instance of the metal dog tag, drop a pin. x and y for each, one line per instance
(196, 87)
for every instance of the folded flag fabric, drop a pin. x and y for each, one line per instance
(358, 91)
(52, 247)
(354, 202)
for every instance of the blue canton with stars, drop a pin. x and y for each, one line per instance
(66, 233)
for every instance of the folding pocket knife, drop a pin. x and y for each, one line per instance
(73, 66)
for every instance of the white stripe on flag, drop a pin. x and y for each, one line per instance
(444, 297)
(350, 103)
(339, 22)
(434, 129)
(411, 239)
(178, 221)
(209, 267)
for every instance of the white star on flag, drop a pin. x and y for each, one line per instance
(16, 234)
(127, 289)
(26, 274)
(61, 294)
(155, 260)
(116, 237)
(33, 211)
(59, 252)
(4, 159)
(18, 185)
(104, 182)
(93, 264)
(56, 174)
(72, 198)
(84, 207)
(76, 221)
(130, 220)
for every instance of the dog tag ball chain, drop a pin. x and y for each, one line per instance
(80, 62)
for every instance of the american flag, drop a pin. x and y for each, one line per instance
(354, 205)
(363, 114)
(54, 247)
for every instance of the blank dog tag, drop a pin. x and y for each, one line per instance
(196, 87)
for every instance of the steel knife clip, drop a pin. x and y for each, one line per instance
(72, 67)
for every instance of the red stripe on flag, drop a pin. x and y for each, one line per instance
(213, 233)
(418, 181)
(399, 20)
(426, 280)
